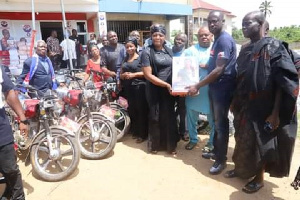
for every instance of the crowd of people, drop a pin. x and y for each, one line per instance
(260, 87)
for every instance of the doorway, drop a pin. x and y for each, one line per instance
(47, 27)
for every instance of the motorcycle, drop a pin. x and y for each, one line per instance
(106, 93)
(96, 134)
(52, 149)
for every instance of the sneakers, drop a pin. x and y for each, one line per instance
(217, 168)
(209, 155)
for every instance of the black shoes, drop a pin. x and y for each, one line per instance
(217, 168)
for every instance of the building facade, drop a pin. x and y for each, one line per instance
(16, 20)
(201, 10)
(123, 16)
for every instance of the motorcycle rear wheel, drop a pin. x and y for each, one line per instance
(55, 169)
(122, 123)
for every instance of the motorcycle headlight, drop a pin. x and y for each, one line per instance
(58, 108)
(62, 93)
(88, 93)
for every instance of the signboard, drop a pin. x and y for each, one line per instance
(185, 72)
(102, 23)
(15, 43)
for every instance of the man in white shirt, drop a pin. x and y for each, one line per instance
(69, 51)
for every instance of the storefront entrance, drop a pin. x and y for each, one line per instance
(47, 27)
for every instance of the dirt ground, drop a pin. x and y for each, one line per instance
(130, 173)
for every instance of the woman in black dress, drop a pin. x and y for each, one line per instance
(134, 83)
(157, 67)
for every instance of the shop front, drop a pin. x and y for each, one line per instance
(124, 16)
(16, 27)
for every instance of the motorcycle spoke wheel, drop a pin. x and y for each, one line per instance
(60, 166)
(61, 162)
(45, 164)
(68, 152)
(103, 141)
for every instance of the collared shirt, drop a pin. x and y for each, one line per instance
(112, 58)
(53, 45)
(44, 63)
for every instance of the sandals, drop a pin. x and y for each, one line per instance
(252, 187)
(207, 148)
(140, 140)
(185, 137)
(190, 146)
(153, 152)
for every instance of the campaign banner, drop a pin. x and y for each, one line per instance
(102, 23)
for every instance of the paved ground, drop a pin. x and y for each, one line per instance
(132, 174)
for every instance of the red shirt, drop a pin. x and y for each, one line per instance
(91, 65)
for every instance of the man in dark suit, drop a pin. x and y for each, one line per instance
(38, 70)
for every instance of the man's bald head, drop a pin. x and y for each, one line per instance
(179, 42)
(204, 37)
(257, 16)
(253, 25)
(216, 13)
(215, 21)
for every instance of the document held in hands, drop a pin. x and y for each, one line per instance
(185, 72)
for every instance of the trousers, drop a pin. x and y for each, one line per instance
(11, 172)
(192, 120)
(220, 98)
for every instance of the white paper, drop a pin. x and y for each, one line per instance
(185, 72)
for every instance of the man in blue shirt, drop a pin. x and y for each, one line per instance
(8, 164)
(200, 103)
(221, 80)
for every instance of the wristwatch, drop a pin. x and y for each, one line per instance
(26, 121)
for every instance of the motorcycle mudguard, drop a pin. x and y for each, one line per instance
(43, 131)
(95, 114)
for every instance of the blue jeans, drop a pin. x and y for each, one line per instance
(220, 97)
(192, 120)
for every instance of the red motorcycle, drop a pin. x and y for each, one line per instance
(97, 135)
(53, 150)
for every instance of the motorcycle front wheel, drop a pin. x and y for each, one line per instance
(63, 160)
(104, 140)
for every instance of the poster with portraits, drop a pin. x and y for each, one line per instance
(15, 43)
(185, 72)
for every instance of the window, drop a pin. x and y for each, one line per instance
(196, 20)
